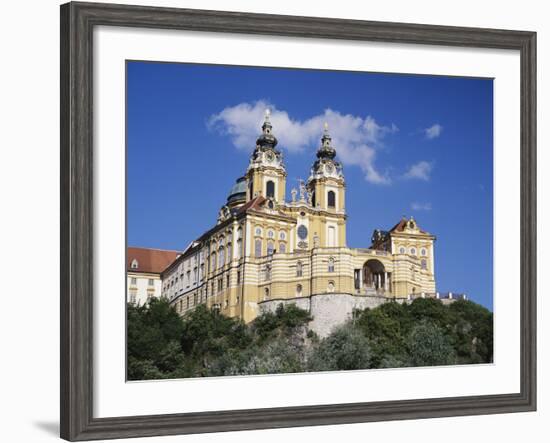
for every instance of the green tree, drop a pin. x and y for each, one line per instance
(345, 348)
(207, 336)
(427, 345)
(153, 340)
(285, 320)
(385, 327)
(472, 332)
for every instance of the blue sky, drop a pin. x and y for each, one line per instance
(410, 145)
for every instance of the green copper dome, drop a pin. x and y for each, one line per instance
(238, 191)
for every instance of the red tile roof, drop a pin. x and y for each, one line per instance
(255, 203)
(400, 227)
(150, 260)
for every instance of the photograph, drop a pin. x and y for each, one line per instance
(302, 220)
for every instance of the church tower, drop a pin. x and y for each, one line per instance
(266, 173)
(326, 181)
(327, 187)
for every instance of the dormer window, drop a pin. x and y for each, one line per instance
(134, 264)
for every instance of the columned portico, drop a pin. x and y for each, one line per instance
(375, 277)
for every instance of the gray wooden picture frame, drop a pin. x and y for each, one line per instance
(77, 23)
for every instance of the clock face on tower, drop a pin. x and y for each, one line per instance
(270, 157)
(302, 232)
(330, 169)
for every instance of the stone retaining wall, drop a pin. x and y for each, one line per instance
(327, 310)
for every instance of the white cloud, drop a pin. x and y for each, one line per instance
(415, 206)
(420, 171)
(433, 131)
(355, 138)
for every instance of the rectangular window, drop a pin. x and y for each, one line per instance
(151, 282)
(227, 285)
(133, 281)
(238, 277)
(133, 298)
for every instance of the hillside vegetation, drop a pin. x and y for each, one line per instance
(203, 343)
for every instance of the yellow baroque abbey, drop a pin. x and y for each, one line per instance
(267, 249)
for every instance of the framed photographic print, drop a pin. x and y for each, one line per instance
(273, 221)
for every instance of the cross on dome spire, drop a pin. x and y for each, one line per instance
(326, 150)
(267, 139)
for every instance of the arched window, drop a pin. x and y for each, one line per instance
(330, 287)
(134, 264)
(282, 248)
(229, 251)
(424, 263)
(401, 250)
(270, 189)
(266, 294)
(413, 251)
(258, 248)
(423, 251)
(258, 231)
(239, 248)
(298, 290)
(299, 269)
(282, 235)
(213, 261)
(313, 199)
(221, 257)
(330, 264)
(331, 197)
(267, 274)
(270, 248)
